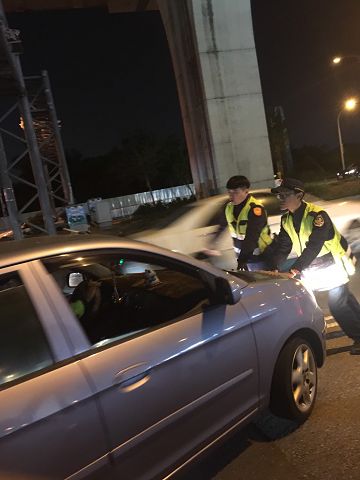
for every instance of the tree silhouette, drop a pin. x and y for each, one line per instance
(143, 162)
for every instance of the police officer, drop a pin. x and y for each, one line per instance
(321, 254)
(246, 220)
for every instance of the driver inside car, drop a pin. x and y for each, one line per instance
(85, 300)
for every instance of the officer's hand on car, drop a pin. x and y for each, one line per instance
(293, 273)
(241, 265)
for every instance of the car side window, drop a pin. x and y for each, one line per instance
(114, 297)
(23, 345)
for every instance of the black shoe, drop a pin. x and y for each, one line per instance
(355, 348)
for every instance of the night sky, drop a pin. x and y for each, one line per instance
(112, 74)
(295, 43)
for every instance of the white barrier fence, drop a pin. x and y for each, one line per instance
(126, 205)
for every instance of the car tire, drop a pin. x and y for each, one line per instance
(294, 384)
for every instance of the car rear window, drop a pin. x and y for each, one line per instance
(23, 346)
(270, 203)
(175, 215)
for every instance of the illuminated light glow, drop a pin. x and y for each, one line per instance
(336, 60)
(229, 328)
(10, 377)
(323, 279)
(350, 103)
(101, 343)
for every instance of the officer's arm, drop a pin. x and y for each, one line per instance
(256, 222)
(220, 220)
(322, 231)
(277, 252)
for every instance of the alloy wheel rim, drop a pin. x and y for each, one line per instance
(303, 378)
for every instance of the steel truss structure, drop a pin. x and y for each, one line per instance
(31, 107)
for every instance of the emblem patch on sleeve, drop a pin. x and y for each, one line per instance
(319, 221)
(257, 211)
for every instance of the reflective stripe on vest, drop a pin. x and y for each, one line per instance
(241, 222)
(333, 246)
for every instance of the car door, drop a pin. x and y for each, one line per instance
(49, 423)
(171, 386)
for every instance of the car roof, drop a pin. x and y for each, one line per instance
(17, 251)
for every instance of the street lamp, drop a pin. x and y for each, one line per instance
(339, 58)
(349, 105)
(336, 60)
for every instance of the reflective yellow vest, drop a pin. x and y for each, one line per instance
(300, 240)
(341, 266)
(241, 222)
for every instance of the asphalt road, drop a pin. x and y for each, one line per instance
(326, 447)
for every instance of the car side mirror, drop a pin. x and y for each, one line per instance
(228, 291)
(74, 279)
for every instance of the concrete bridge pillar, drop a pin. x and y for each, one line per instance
(214, 57)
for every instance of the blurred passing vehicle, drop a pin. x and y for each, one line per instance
(350, 172)
(191, 228)
(120, 357)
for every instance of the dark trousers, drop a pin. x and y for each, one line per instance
(346, 310)
(254, 266)
(257, 262)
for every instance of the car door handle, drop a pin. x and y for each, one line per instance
(133, 376)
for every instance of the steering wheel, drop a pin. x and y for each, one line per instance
(132, 298)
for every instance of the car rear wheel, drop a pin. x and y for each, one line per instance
(294, 384)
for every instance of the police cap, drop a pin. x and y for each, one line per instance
(289, 184)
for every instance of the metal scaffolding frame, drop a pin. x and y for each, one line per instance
(47, 131)
(33, 104)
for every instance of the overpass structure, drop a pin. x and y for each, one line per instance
(214, 58)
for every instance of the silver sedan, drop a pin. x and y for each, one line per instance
(123, 358)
